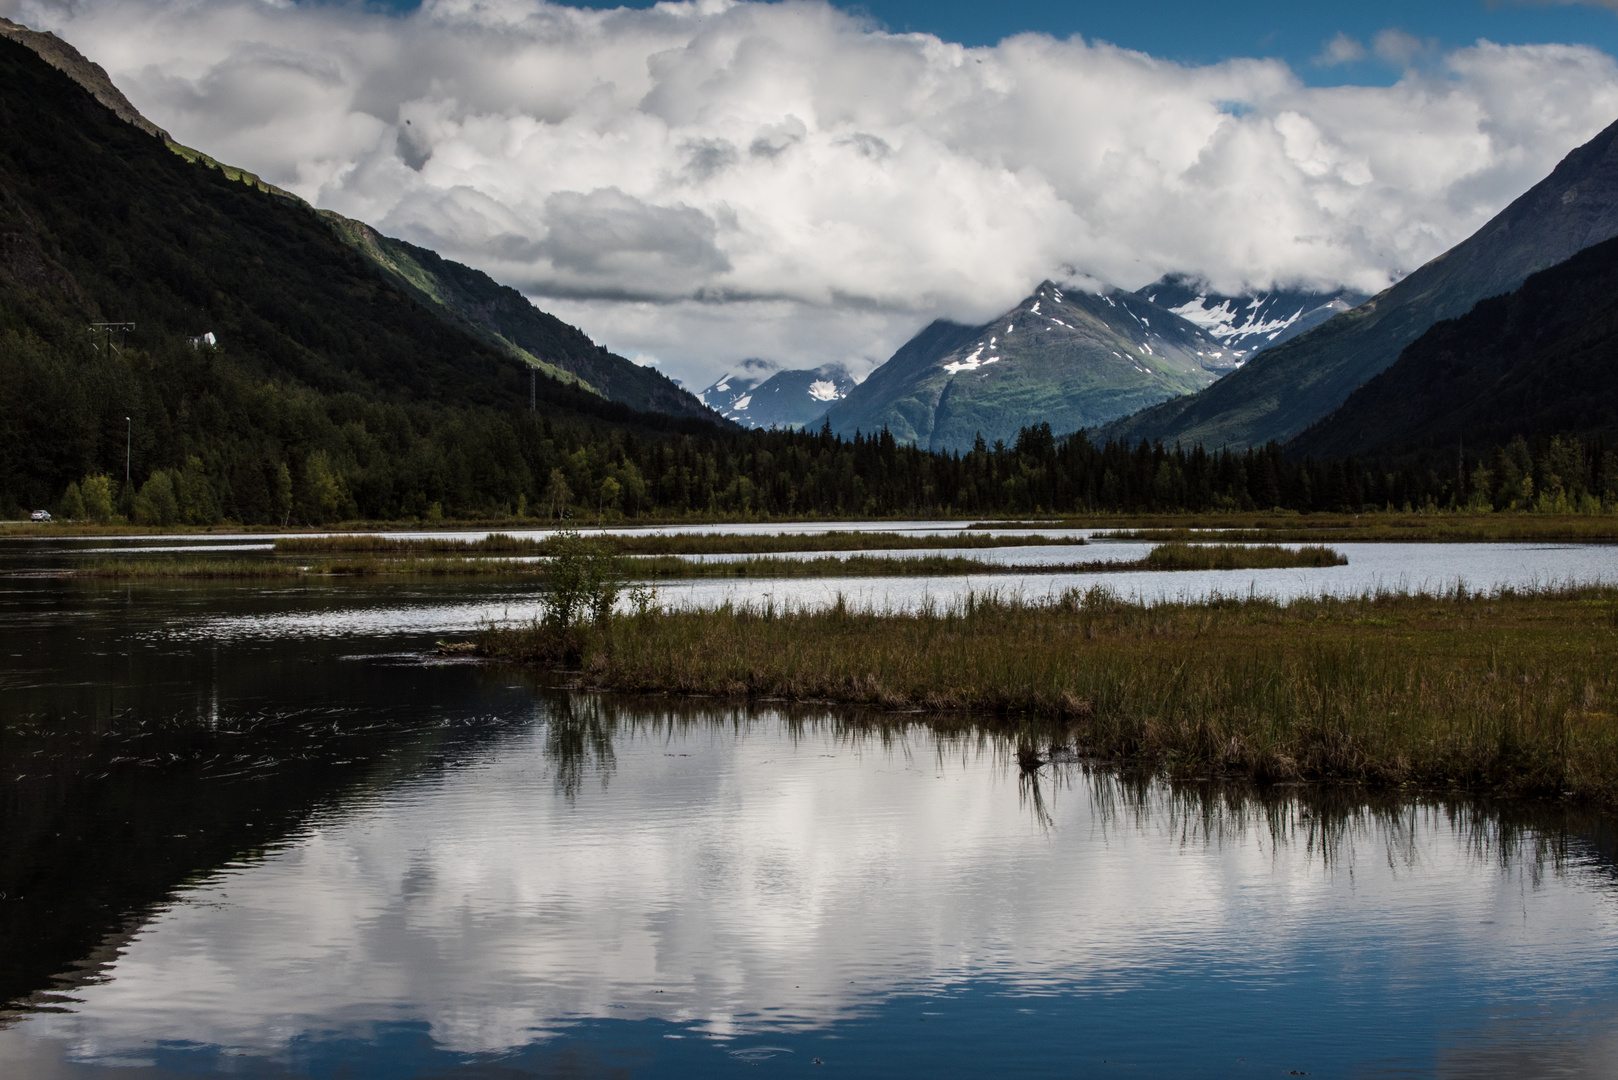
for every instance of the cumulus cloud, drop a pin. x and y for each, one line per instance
(703, 181)
(1341, 49)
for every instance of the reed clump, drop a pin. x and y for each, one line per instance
(1515, 693)
(1183, 556)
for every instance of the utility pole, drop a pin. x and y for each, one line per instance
(129, 443)
(106, 330)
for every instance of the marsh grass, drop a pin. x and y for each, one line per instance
(665, 567)
(1510, 694)
(1183, 556)
(663, 544)
(765, 566)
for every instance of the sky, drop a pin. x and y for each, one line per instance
(1197, 32)
(697, 183)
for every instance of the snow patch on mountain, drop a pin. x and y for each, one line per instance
(1249, 323)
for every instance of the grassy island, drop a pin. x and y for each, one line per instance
(1515, 693)
(385, 562)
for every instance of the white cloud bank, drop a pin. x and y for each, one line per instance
(704, 181)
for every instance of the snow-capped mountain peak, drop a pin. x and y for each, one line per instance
(763, 395)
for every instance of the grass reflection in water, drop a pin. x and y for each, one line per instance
(1514, 693)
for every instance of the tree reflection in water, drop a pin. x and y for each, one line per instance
(578, 741)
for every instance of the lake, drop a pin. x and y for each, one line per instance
(259, 829)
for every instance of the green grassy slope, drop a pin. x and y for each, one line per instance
(1284, 390)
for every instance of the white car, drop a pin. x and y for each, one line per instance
(40, 515)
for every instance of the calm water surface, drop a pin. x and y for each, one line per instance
(259, 830)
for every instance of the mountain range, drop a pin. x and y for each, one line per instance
(1067, 357)
(1284, 390)
(241, 289)
(762, 395)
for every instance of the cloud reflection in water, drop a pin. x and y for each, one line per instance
(751, 874)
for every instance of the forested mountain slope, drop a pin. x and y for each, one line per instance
(1283, 390)
(1540, 361)
(317, 354)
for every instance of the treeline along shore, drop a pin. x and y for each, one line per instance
(211, 445)
(1513, 694)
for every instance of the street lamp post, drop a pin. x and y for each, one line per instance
(129, 442)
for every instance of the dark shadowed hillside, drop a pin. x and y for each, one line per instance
(467, 299)
(1539, 361)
